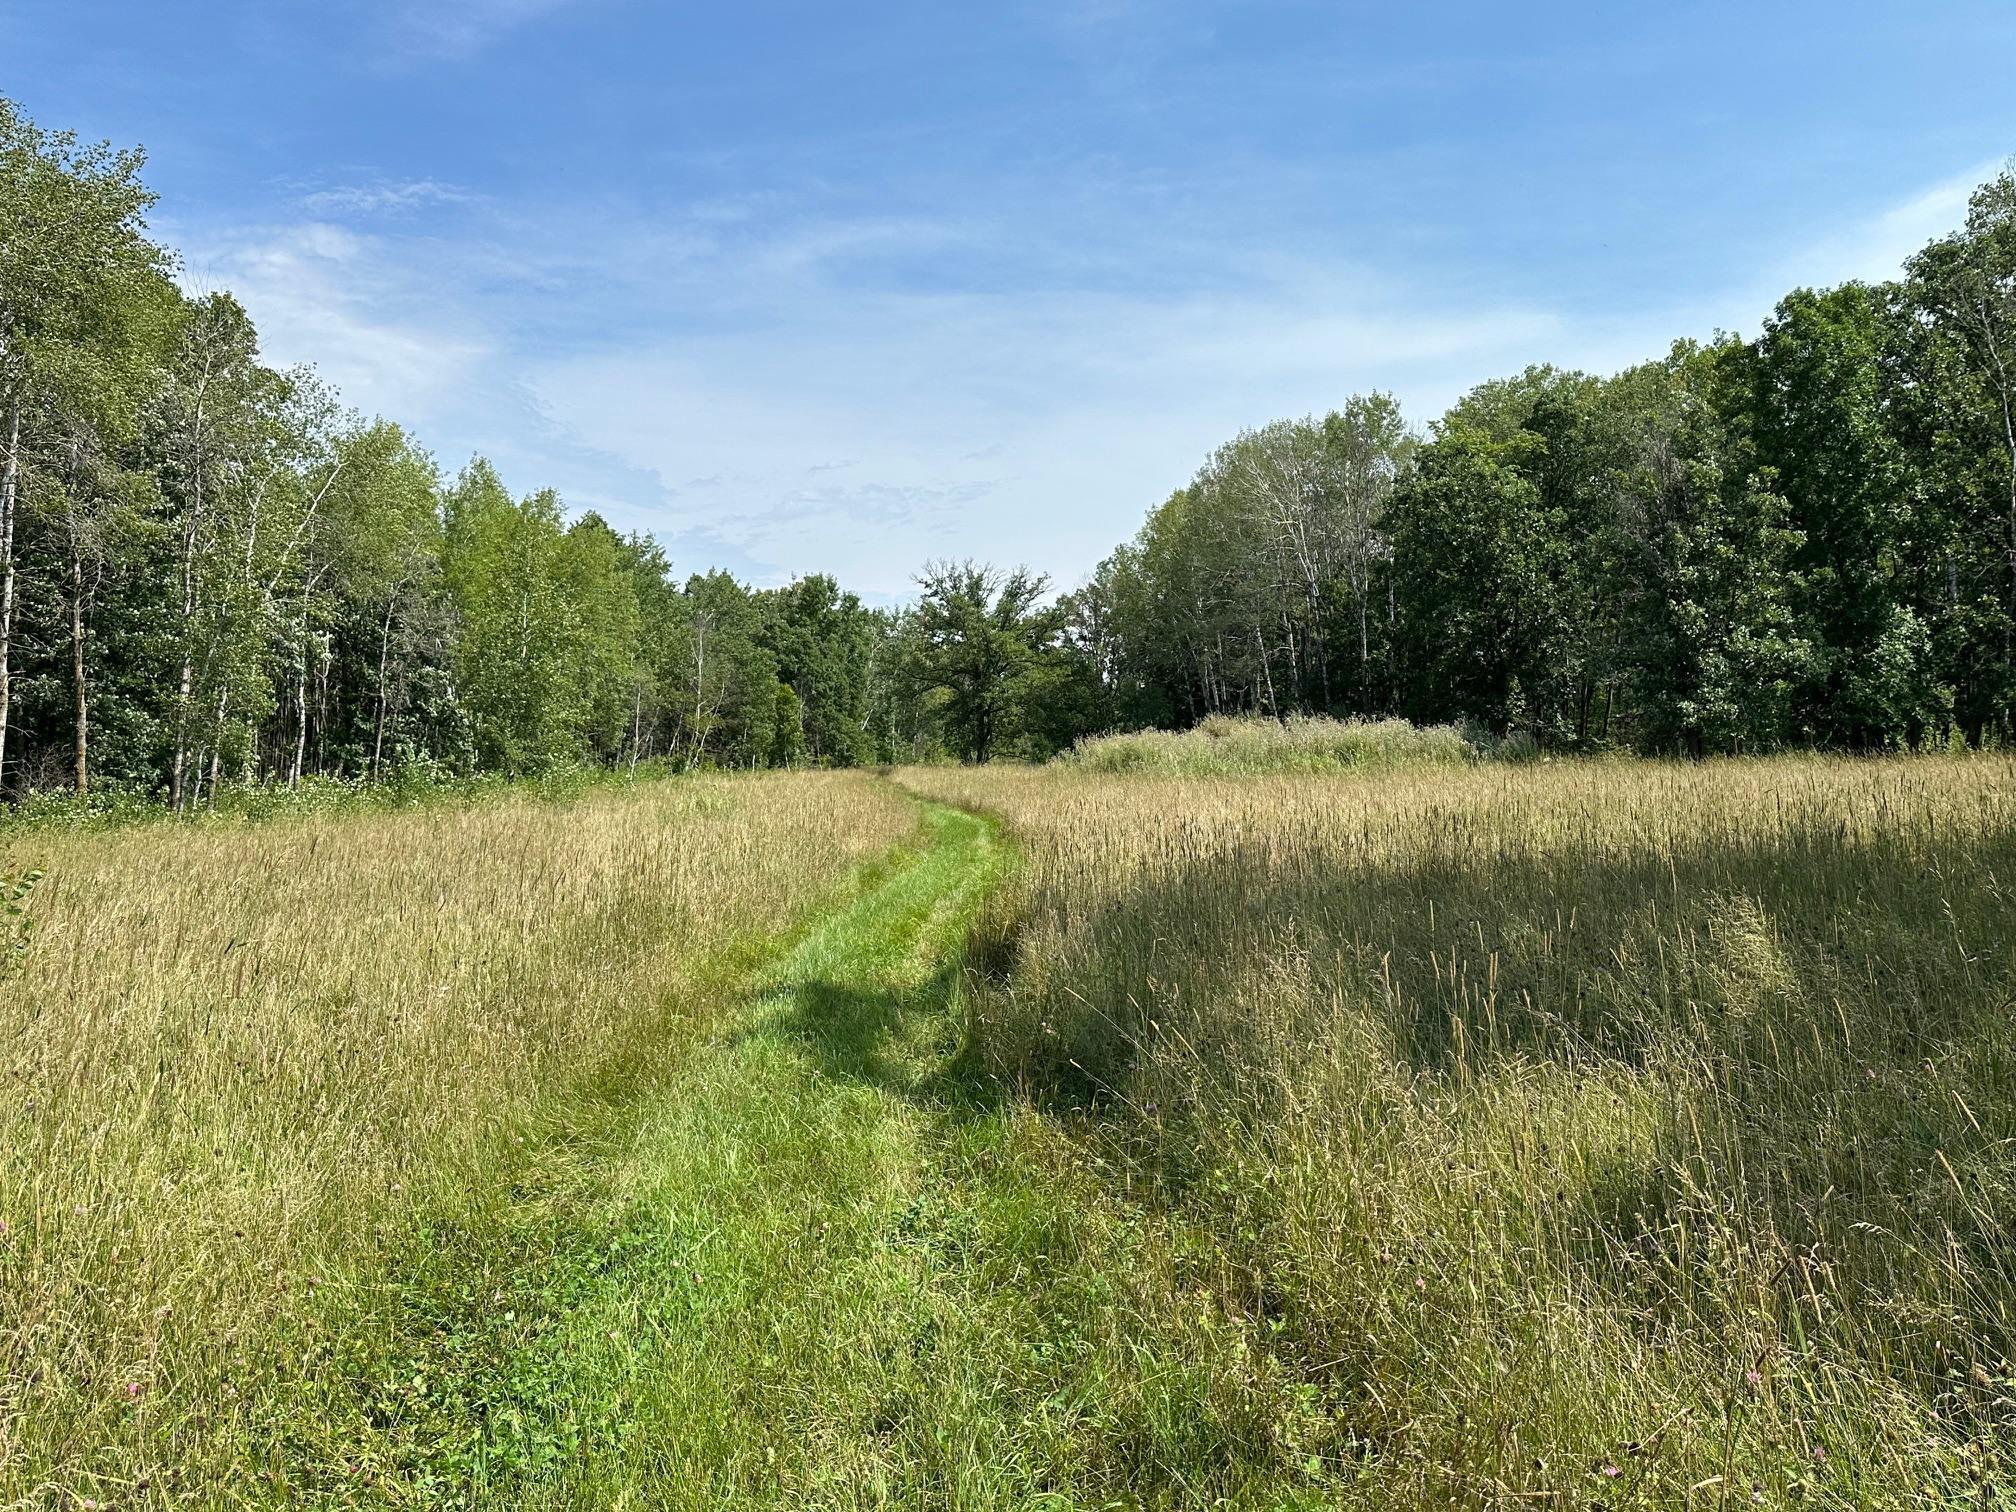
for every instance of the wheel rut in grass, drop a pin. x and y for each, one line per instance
(819, 1270)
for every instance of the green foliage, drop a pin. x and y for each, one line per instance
(541, 611)
(1806, 539)
(978, 646)
(1260, 585)
(81, 288)
(723, 680)
(1823, 385)
(1960, 401)
(17, 886)
(211, 578)
(824, 643)
(1481, 567)
(787, 743)
(1707, 624)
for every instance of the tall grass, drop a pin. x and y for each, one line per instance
(1252, 744)
(238, 1060)
(1591, 1134)
(412, 786)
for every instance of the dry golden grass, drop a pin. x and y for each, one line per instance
(1587, 1133)
(238, 1058)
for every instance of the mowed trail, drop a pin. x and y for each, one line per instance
(822, 1271)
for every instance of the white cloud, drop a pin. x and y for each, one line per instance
(1872, 249)
(1040, 426)
(1016, 427)
(1878, 249)
(766, 393)
(384, 198)
(330, 297)
(422, 29)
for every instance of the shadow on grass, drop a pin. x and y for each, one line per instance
(905, 1040)
(1831, 1009)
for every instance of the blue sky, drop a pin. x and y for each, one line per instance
(817, 286)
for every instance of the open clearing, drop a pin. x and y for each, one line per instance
(1620, 1133)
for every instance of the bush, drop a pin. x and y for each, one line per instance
(1224, 745)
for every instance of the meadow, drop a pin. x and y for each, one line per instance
(1584, 1133)
(1398, 1133)
(247, 1065)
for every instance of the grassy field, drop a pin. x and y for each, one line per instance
(1458, 1133)
(1627, 1134)
(822, 1269)
(245, 1065)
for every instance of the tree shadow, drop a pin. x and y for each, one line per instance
(908, 1040)
(1825, 1015)
(1571, 957)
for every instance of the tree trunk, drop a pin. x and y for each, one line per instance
(384, 648)
(217, 744)
(322, 709)
(1319, 637)
(1266, 670)
(81, 760)
(178, 768)
(2008, 618)
(699, 694)
(185, 687)
(1296, 680)
(10, 494)
(300, 712)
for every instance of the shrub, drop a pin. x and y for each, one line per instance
(1224, 745)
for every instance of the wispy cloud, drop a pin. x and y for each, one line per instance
(773, 395)
(450, 29)
(933, 508)
(1871, 248)
(327, 295)
(1878, 248)
(384, 198)
(1020, 427)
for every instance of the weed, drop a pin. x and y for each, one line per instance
(17, 885)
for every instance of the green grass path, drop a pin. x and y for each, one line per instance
(817, 1271)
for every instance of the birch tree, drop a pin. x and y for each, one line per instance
(78, 280)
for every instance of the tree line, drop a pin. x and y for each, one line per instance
(212, 573)
(1808, 539)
